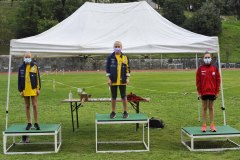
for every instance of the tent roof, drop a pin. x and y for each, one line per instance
(94, 27)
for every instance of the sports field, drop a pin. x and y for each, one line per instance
(173, 99)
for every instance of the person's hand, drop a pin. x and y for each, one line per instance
(216, 95)
(199, 97)
(38, 92)
(109, 82)
(127, 81)
(21, 94)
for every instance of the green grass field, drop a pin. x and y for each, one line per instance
(173, 99)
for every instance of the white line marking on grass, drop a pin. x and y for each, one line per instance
(78, 87)
(231, 87)
(151, 90)
(96, 85)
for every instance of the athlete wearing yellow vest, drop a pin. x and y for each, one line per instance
(118, 73)
(29, 85)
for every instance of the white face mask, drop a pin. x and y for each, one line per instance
(207, 61)
(117, 50)
(27, 60)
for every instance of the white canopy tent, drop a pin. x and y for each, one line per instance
(94, 27)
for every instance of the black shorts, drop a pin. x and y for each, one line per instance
(208, 97)
(122, 89)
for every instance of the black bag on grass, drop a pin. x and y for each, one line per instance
(156, 123)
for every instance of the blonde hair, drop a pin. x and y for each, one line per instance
(27, 53)
(117, 42)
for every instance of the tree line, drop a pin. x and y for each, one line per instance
(36, 16)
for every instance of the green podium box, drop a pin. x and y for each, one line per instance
(103, 119)
(16, 130)
(223, 134)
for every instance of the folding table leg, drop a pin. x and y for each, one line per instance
(137, 111)
(71, 106)
(77, 113)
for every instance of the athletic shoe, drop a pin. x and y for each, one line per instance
(29, 125)
(113, 115)
(212, 127)
(125, 114)
(36, 126)
(204, 128)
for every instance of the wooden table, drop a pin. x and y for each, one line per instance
(75, 104)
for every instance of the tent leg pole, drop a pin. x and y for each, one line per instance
(196, 61)
(220, 71)
(199, 109)
(8, 89)
(161, 60)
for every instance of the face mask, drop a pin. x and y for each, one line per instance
(117, 50)
(27, 60)
(207, 61)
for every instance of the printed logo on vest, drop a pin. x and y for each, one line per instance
(203, 72)
(33, 69)
(125, 60)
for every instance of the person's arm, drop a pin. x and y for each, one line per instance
(108, 71)
(19, 81)
(198, 82)
(128, 70)
(20, 89)
(218, 82)
(38, 81)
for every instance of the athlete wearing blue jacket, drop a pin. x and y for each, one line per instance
(118, 73)
(29, 85)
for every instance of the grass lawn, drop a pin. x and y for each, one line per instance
(229, 41)
(173, 99)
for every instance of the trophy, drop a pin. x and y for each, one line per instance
(83, 95)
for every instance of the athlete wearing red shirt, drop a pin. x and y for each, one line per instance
(208, 84)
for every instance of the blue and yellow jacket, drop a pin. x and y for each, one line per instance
(34, 78)
(112, 65)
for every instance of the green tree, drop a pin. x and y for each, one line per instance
(236, 5)
(174, 12)
(63, 8)
(4, 30)
(205, 21)
(159, 3)
(227, 9)
(192, 5)
(36, 16)
(7, 24)
(28, 18)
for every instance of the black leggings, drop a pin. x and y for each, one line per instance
(122, 89)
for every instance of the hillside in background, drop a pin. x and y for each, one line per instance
(229, 38)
